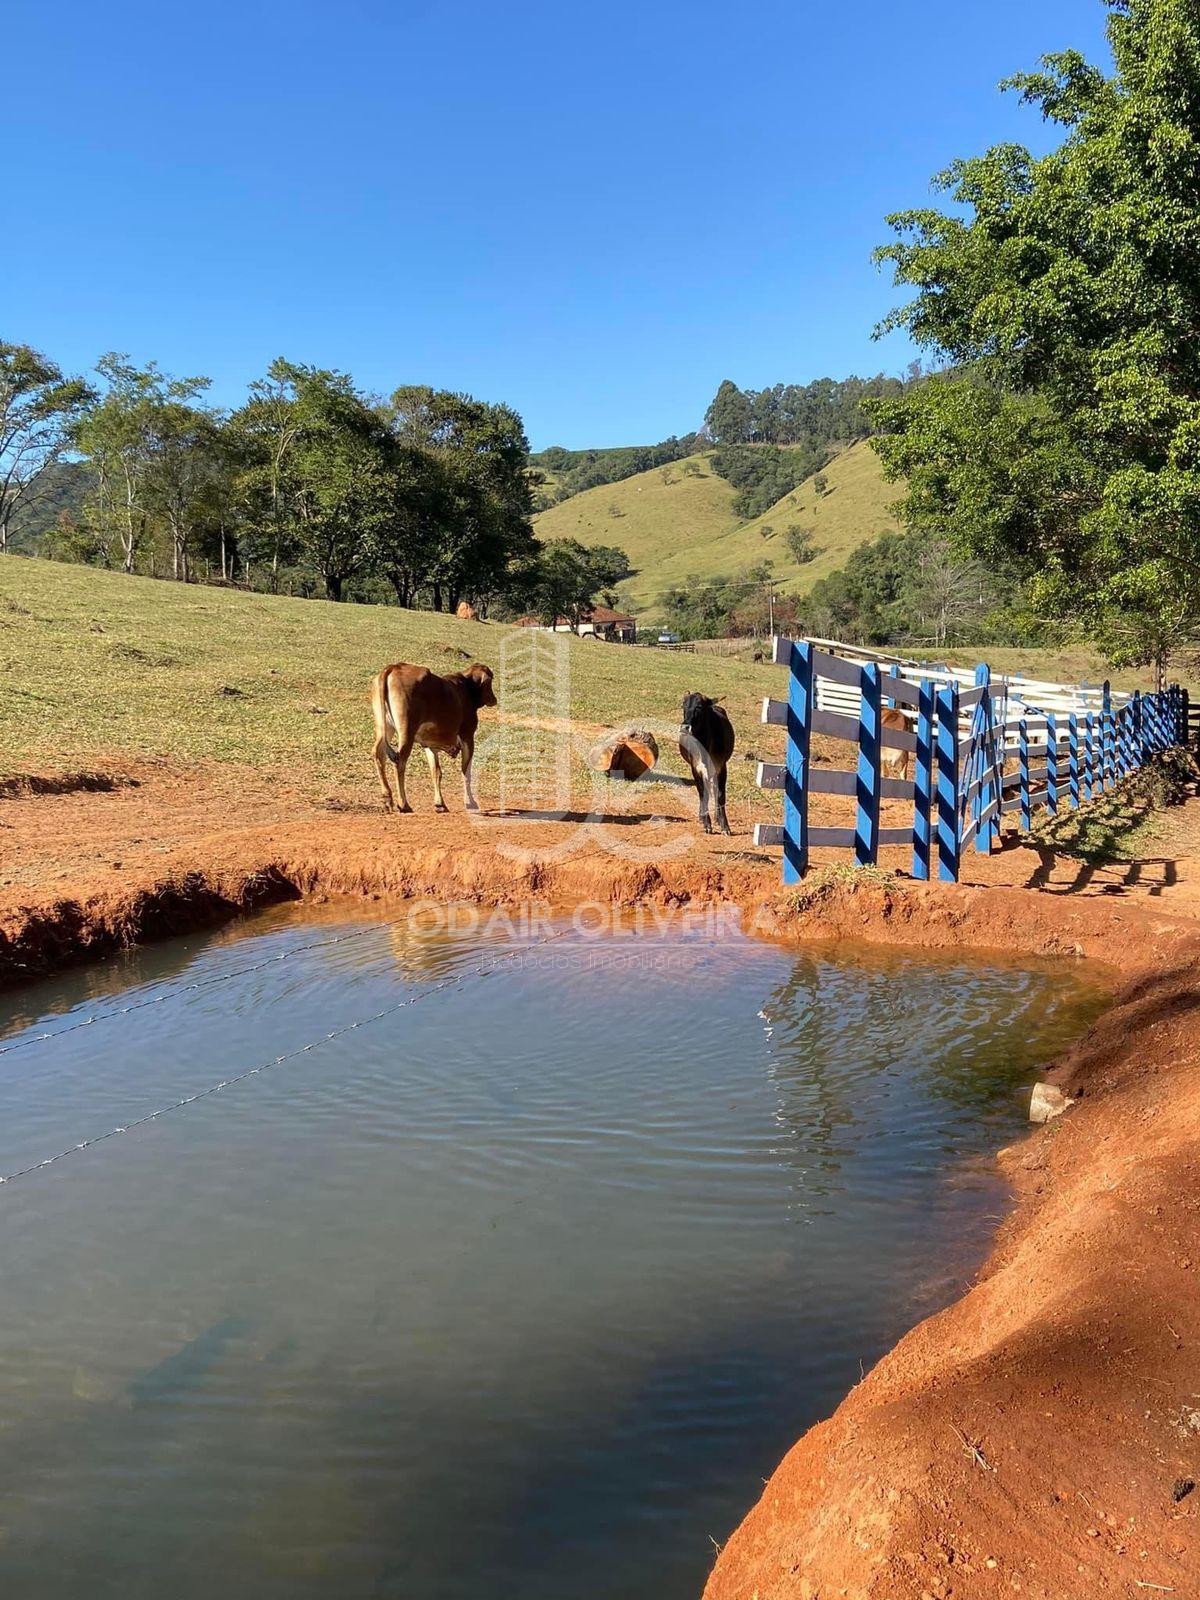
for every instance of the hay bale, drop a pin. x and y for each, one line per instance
(626, 753)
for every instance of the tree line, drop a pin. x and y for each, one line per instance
(827, 412)
(309, 486)
(905, 588)
(569, 472)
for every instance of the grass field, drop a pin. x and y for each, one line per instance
(95, 665)
(676, 524)
(1076, 663)
(98, 670)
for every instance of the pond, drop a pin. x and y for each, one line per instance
(521, 1289)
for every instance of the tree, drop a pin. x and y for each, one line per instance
(184, 463)
(569, 576)
(405, 542)
(944, 592)
(483, 453)
(339, 484)
(763, 474)
(710, 608)
(800, 544)
(153, 451)
(1064, 293)
(38, 407)
(264, 431)
(729, 419)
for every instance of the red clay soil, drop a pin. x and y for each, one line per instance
(165, 848)
(1038, 1437)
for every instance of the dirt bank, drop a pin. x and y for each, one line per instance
(1037, 1437)
(161, 849)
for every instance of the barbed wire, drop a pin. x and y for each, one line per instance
(187, 988)
(290, 1055)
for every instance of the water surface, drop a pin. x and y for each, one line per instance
(519, 1290)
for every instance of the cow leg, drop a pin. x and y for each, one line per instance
(721, 817)
(383, 754)
(397, 710)
(435, 772)
(468, 752)
(700, 778)
(401, 760)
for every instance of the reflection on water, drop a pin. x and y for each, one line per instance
(519, 1291)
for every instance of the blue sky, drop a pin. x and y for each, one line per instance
(595, 213)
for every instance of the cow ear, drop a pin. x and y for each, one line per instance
(717, 701)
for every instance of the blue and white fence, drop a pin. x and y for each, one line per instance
(970, 752)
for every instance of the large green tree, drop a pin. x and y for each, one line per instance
(1063, 293)
(569, 577)
(38, 406)
(145, 438)
(485, 492)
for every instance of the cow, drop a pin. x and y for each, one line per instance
(893, 762)
(440, 714)
(706, 744)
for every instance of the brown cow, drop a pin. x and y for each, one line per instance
(440, 714)
(893, 762)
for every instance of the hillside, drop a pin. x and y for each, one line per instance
(61, 488)
(677, 521)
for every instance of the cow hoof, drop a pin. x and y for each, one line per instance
(441, 808)
(404, 811)
(471, 805)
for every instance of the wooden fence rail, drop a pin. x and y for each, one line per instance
(977, 748)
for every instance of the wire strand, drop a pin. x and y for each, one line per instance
(264, 1066)
(187, 988)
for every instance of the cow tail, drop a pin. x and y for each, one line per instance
(383, 712)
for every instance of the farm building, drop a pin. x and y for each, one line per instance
(599, 623)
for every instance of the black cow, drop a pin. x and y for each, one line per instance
(706, 744)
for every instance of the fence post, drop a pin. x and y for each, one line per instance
(1185, 709)
(801, 695)
(1051, 763)
(870, 769)
(1073, 761)
(923, 781)
(996, 740)
(1139, 732)
(1089, 753)
(984, 759)
(947, 781)
(1023, 772)
(1106, 737)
